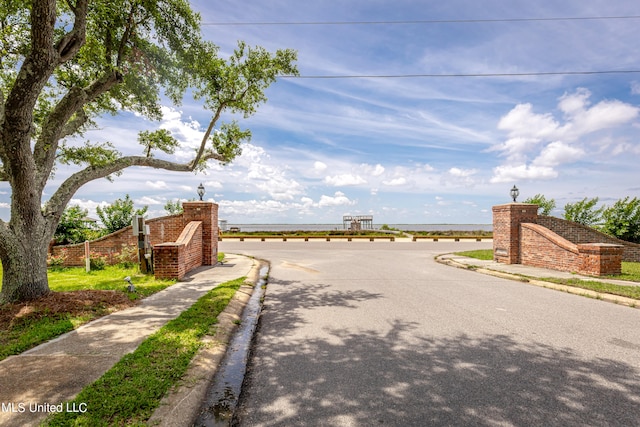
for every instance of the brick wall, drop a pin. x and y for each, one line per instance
(208, 214)
(578, 234)
(162, 230)
(172, 260)
(543, 248)
(520, 236)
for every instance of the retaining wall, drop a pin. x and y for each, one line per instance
(520, 236)
(195, 230)
(173, 260)
(579, 233)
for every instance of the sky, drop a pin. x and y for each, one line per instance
(432, 138)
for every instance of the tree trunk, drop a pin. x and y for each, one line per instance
(24, 265)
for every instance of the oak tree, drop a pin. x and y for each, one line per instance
(65, 63)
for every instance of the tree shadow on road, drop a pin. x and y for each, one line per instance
(403, 377)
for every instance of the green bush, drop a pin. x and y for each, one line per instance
(584, 212)
(622, 220)
(97, 261)
(57, 260)
(128, 256)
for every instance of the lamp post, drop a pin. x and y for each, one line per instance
(200, 191)
(514, 193)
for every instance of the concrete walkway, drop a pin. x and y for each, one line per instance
(56, 371)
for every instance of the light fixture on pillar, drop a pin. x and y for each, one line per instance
(514, 193)
(200, 191)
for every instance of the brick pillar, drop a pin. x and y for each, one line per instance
(506, 230)
(206, 212)
(600, 259)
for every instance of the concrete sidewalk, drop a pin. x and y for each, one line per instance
(56, 371)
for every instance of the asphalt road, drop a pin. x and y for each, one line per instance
(378, 333)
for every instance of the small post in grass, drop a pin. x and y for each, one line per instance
(87, 258)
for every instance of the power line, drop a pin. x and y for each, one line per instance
(399, 76)
(426, 21)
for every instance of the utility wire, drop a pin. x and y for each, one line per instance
(426, 21)
(398, 76)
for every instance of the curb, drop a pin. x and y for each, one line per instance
(180, 406)
(629, 302)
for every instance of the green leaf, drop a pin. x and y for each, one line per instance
(227, 141)
(93, 154)
(160, 139)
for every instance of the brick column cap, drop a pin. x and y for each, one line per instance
(517, 204)
(600, 248)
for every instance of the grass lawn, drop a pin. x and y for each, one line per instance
(630, 272)
(129, 392)
(483, 254)
(111, 278)
(78, 298)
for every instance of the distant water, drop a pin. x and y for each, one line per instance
(328, 227)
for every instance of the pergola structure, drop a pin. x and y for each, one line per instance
(357, 222)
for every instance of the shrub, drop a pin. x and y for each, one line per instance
(97, 261)
(545, 206)
(584, 212)
(622, 220)
(57, 260)
(128, 256)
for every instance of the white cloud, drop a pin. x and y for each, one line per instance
(255, 169)
(459, 177)
(187, 131)
(508, 173)
(635, 88)
(552, 144)
(575, 103)
(395, 182)
(558, 153)
(374, 171)
(216, 185)
(4, 205)
(157, 185)
(89, 205)
(146, 200)
(582, 120)
(344, 180)
(338, 199)
(522, 122)
(320, 166)
(462, 173)
(254, 208)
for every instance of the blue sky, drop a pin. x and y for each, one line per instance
(413, 149)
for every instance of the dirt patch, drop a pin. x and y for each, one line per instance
(56, 304)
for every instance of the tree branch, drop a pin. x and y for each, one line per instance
(35, 71)
(125, 37)
(58, 125)
(68, 188)
(1, 105)
(69, 45)
(203, 144)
